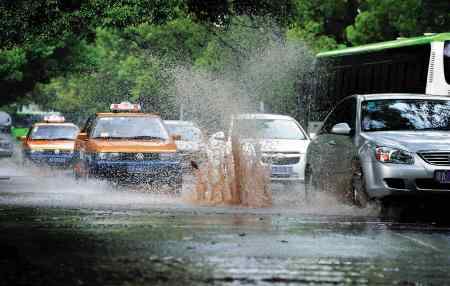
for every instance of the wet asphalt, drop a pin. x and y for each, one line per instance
(55, 231)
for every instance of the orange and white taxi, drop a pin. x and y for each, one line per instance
(50, 142)
(128, 144)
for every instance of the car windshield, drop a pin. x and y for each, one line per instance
(187, 133)
(268, 129)
(405, 114)
(54, 132)
(129, 127)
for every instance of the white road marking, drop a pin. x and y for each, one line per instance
(420, 242)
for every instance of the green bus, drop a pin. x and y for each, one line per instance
(23, 120)
(406, 65)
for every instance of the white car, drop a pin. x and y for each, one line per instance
(190, 144)
(279, 139)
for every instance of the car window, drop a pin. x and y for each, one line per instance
(187, 133)
(88, 125)
(345, 112)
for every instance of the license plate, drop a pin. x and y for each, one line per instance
(281, 170)
(56, 160)
(442, 176)
(136, 169)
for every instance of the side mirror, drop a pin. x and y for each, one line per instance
(341, 129)
(220, 136)
(175, 137)
(82, 136)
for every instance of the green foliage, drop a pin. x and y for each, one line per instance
(382, 20)
(133, 64)
(40, 40)
(321, 24)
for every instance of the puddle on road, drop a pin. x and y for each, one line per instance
(42, 187)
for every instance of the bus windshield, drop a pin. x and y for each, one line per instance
(447, 61)
(405, 115)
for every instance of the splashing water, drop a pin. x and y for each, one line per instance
(238, 178)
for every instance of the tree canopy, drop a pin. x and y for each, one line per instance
(66, 53)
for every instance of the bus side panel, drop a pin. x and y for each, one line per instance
(400, 70)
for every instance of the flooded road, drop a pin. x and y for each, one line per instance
(54, 231)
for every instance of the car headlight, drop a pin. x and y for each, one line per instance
(169, 156)
(393, 155)
(108, 155)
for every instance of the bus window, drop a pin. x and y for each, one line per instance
(447, 61)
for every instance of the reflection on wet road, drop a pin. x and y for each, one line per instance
(54, 231)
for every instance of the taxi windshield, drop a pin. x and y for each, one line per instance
(129, 127)
(187, 133)
(54, 132)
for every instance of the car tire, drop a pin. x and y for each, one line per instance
(358, 194)
(310, 184)
(176, 185)
(80, 177)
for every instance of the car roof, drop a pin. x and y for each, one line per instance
(180, 122)
(400, 96)
(55, 124)
(263, 116)
(122, 114)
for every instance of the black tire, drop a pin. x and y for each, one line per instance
(176, 185)
(358, 194)
(80, 178)
(310, 184)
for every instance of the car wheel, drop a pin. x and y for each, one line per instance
(310, 184)
(80, 172)
(358, 193)
(176, 185)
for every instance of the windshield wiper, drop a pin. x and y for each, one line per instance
(147, 137)
(110, 137)
(434, 128)
(62, 138)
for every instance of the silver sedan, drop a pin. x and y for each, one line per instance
(382, 146)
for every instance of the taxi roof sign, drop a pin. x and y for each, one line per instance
(54, 119)
(125, 106)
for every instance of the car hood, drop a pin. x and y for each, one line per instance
(279, 145)
(145, 146)
(412, 141)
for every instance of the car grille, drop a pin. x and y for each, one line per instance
(281, 158)
(52, 152)
(139, 156)
(5, 145)
(436, 158)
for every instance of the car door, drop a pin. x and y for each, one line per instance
(318, 152)
(328, 152)
(340, 148)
